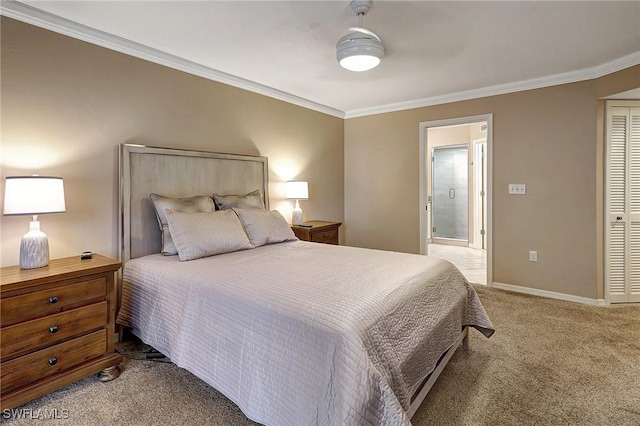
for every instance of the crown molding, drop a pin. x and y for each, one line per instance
(31, 15)
(42, 19)
(501, 89)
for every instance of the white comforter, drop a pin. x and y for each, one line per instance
(302, 333)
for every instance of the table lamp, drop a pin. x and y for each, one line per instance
(33, 195)
(297, 190)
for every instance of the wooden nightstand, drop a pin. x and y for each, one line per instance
(319, 232)
(57, 326)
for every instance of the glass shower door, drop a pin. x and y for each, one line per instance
(450, 192)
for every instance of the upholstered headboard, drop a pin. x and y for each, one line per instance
(176, 173)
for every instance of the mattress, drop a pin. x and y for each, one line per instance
(301, 333)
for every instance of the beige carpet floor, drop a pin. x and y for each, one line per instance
(549, 363)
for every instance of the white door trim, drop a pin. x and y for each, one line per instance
(424, 126)
(609, 105)
(478, 211)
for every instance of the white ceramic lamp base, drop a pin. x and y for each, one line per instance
(296, 215)
(34, 248)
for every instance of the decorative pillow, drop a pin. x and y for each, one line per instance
(265, 227)
(185, 205)
(252, 200)
(197, 235)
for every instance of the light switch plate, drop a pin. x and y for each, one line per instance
(517, 188)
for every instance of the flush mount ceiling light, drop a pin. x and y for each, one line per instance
(361, 49)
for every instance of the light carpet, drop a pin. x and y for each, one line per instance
(549, 363)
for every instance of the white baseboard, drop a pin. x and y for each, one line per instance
(549, 294)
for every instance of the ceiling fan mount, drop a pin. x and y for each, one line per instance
(360, 7)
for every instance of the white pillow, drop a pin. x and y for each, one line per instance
(185, 205)
(199, 235)
(265, 227)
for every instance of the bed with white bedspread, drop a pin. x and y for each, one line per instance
(301, 333)
(295, 333)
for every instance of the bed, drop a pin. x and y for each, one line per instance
(293, 332)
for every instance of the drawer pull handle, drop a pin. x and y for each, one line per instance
(54, 329)
(53, 300)
(53, 361)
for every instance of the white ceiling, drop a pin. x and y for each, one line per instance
(435, 51)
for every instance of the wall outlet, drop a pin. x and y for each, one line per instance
(517, 188)
(533, 256)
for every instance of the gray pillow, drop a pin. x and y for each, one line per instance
(199, 235)
(185, 205)
(252, 200)
(265, 227)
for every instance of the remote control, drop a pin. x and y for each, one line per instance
(305, 226)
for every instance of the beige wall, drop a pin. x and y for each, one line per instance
(547, 139)
(66, 105)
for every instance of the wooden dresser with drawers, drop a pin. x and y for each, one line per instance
(57, 326)
(318, 231)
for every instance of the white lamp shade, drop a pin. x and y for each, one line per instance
(297, 190)
(33, 195)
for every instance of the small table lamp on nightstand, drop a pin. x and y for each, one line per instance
(297, 190)
(33, 195)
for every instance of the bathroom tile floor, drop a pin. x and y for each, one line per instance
(471, 262)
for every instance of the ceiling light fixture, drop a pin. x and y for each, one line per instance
(361, 49)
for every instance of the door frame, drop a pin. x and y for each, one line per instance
(423, 143)
(479, 209)
(609, 104)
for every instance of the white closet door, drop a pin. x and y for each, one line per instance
(622, 263)
(634, 205)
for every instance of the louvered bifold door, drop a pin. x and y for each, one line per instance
(622, 263)
(634, 205)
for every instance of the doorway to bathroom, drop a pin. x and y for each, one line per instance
(455, 219)
(450, 194)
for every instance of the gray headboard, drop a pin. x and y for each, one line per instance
(176, 173)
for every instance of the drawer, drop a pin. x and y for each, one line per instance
(329, 237)
(45, 362)
(44, 302)
(52, 329)
(301, 233)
